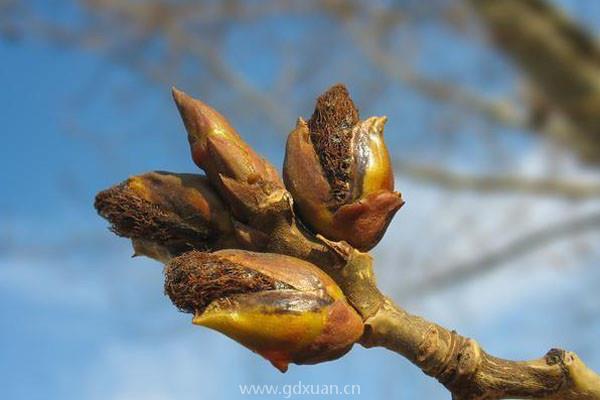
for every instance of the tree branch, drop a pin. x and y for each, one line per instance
(460, 272)
(499, 183)
(468, 372)
(498, 111)
(457, 362)
(558, 56)
(495, 110)
(242, 202)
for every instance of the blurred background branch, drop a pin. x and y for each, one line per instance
(448, 179)
(559, 57)
(461, 272)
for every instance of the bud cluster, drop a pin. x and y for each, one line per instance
(283, 308)
(337, 172)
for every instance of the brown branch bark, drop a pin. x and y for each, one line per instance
(558, 56)
(459, 363)
(468, 372)
(243, 203)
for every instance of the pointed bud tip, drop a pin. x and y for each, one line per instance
(282, 366)
(300, 122)
(199, 318)
(192, 106)
(182, 100)
(184, 105)
(186, 102)
(375, 124)
(380, 124)
(199, 118)
(177, 94)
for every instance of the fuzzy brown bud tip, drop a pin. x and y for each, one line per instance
(134, 217)
(166, 214)
(334, 110)
(283, 308)
(194, 279)
(331, 133)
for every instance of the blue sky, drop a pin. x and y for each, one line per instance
(82, 320)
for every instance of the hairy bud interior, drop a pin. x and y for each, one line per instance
(134, 217)
(331, 134)
(195, 279)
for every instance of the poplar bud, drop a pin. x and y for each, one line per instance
(283, 308)
(166, 214)
(339, 173)
(243, 178)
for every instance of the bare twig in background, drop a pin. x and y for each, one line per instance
(568, 189)
(454, 274)
(503, 112)
(167, 22)
(498, 111)
(183, 26)
(558, 56)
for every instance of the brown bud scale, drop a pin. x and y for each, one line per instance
(166, 214)
(338, 171)
(194, 279)
(134, 217)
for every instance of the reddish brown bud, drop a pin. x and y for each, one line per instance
(243, 178)
(166, 214)
(338, 170)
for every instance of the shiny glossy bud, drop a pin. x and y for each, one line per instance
(339, 173)
(242, 177)
(281, 307)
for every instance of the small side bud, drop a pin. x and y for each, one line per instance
(166, 214)
(283, 308)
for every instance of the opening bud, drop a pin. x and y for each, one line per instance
(166, 214)
(339, 173)
(283, 308)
